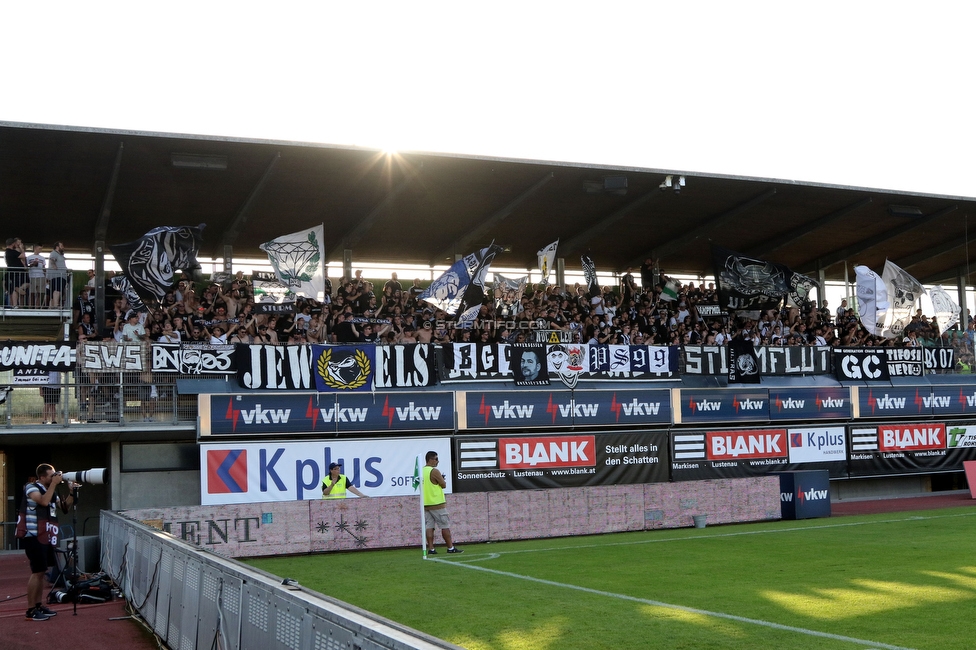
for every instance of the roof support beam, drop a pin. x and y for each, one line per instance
(853, 250)
(580, 240)
(105, 214)
(237, 225)
(957, 273)
(680, 243)
(793, 235)
(459, 245)
(347, 242)
(934, 251)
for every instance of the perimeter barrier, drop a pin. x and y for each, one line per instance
(192, 598)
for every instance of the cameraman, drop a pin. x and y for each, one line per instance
(37, 526)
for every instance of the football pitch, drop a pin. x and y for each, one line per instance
(895, 580)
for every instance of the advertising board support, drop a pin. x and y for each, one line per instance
(804, 494)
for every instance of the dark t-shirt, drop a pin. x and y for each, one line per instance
(13, 259)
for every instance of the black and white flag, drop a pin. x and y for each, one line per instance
(121, 284)
(150, 262)
(589, 273)
(747, 284)
(297, 260)
(270, 295)
(904, 292)
(461, 289)
(508, 294)
(743, 362)
(547, 256)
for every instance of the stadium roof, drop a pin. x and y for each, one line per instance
(83, 185)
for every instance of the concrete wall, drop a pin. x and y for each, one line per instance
(292, 527)
(145, 489)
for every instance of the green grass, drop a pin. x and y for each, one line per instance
(894, 580)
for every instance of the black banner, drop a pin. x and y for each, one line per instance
(773, 360)
(743, 364)
(274, 367)
(488, 464)
(937, 359)
(404, 366)
(877, 364)
(37, 356)
(193, 358)
(565, 362)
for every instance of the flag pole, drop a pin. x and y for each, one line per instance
(423, 520)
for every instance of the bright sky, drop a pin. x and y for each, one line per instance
(867, 94)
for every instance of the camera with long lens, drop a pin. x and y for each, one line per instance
(95, 476)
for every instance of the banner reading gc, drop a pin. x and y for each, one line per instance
(529, 463)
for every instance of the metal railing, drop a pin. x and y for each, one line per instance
(22, 294)
(193, 598)
(89, 398)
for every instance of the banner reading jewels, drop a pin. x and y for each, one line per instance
(490, 463)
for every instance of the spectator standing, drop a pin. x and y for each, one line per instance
(57, 274)
(16, 278)
(435, 505)
(36, 265)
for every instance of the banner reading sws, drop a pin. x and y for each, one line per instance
(490, 463)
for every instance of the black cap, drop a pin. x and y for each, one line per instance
(332, 466)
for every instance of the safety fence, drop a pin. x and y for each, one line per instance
(86, 398)
(30, 289)
(193, 598)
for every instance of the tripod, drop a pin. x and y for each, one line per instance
(69, 574)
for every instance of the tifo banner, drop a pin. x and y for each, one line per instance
(710, 454)
(565, 362)
(193, 358)
(486, 464)
(150, 262)
(562, 408)
(289, 471)
(40, 355)
(274, 367)
(335, 368)
(315, 413)
(297, 261)
(877, 364)
(939, 359)
(773, 360)
(908, 447)
(113, 357)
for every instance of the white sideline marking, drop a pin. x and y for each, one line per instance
(682, 608)
(720, 535)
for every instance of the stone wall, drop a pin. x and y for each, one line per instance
(294, 527)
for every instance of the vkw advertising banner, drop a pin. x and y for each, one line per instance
(698, 455)
(533, 462)
(821, 403)
(289, 471)
(509, 409)
(723, 405)
(893, 402)
(909, 447)
(317, 413)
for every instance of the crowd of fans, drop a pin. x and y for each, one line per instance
(356, 312)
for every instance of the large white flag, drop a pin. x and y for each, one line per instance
(298, 261)
(547, 257)
(872, 299)
(903, 294)
(938, 303)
